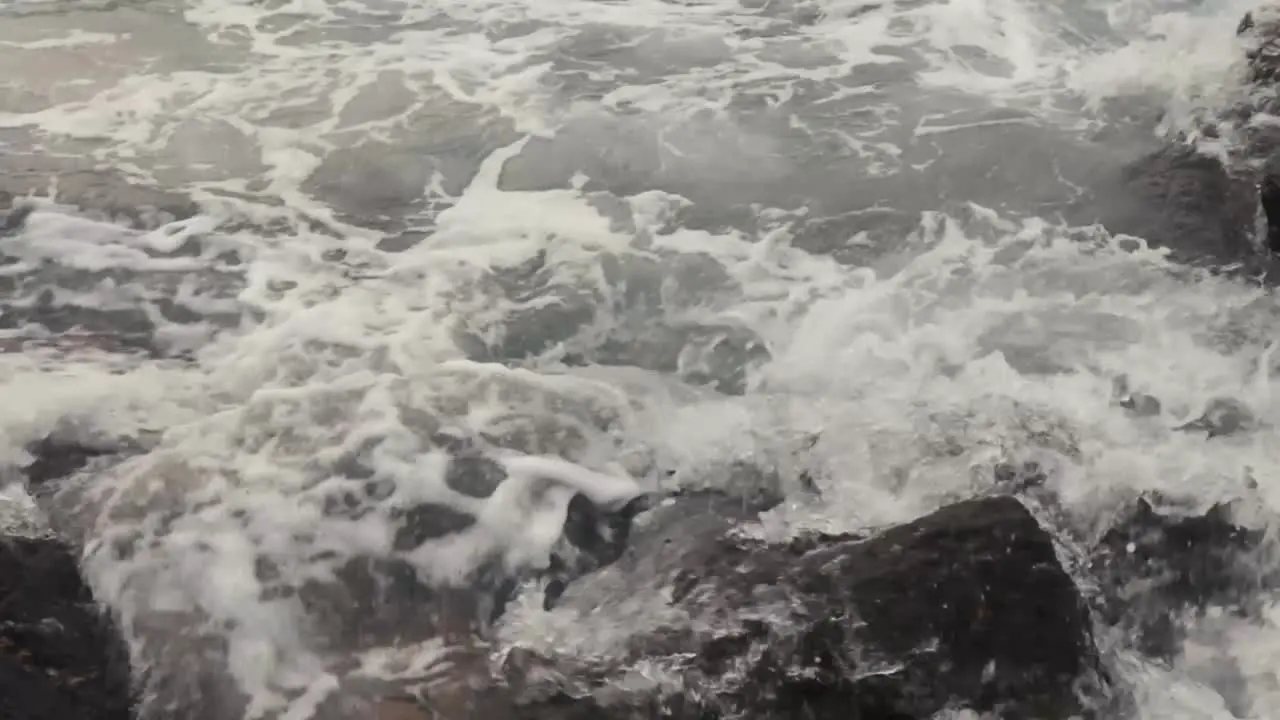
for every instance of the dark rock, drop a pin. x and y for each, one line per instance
(54, 458)
(966, 607)
(1015, 479)
(16, 218)
(60, 658)
(1182, 199)
(430, 521)
(1142, 405)
(474, 474)
(1222, 416)
(1261, 31)
(1137, 403)
(1246, 24)
(1269, 194)
(1261, 141)
(593, 538)
(603, 536)
(371, 602)
(978, 583)
(1155, 566)
(379, 601)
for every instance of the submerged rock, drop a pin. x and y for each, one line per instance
(97, 192)
(1222, 416)
(967, 607)
(60, 659)
(54, 457)
(1141, 405)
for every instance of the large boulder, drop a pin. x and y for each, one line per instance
(967, 607)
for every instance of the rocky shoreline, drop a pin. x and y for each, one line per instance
(969, 607)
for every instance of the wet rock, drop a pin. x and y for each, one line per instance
(1141, 405)
(429, 521)
(474, 474)
(1269, 196)
(370, 182)
(967, 607)
(60, 658)
(1154, 566)
(1182, 199)
(383, 601)
(722, 358)
(1261, 32)
(372, 602)
(593, 538)
(1259, 150)
(1138, 404)
(715, 355)
(54, 458)
(1014, 479)
(1223, 416)
(15, 219)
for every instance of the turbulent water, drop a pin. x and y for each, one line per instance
(640, 236)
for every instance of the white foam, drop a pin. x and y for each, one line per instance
(19, 514)
(1209, 59)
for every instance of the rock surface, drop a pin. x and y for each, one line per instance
(1184, 200)
(965, 608)
(59, 657)
(1156, 565)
